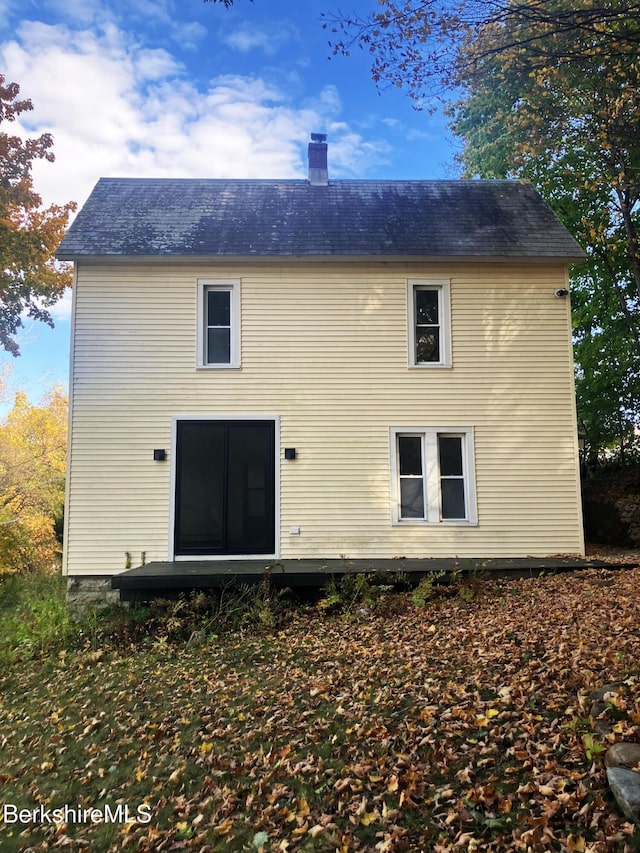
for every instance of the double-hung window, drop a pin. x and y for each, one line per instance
(429, 323)
(433, 476)
(218, 323)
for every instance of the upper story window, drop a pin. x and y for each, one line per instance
(218, 323)
(433, 476)
(429, 323)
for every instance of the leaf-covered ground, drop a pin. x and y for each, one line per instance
(463, 725)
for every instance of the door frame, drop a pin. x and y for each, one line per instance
(275, 419)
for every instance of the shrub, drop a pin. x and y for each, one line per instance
(196, 615)
(356, 591)
(347, 593)
(34, 620)
(424, 592)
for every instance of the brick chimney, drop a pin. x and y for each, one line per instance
(318, 169)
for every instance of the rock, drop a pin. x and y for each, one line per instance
(625, 787)
(85, 594)
(599, 694)
(622, 755)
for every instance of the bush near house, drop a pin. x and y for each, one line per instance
(34, 619)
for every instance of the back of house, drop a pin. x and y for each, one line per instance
(277, 370)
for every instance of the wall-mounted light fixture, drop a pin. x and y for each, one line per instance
(159, 455)
(561, 292)
(289, 453)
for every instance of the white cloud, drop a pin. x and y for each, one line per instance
(354, 155)
(189, 35)
(117, 108)
(249, 37)
(61, 311)
(151, 13)
(81, 11)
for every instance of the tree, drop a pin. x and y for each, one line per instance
(550, 94)
(32, 477)
(423, 45)
(568, 120)
(30, 280)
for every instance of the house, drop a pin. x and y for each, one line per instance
(284, 370)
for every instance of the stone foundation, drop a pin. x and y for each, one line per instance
(85, 592)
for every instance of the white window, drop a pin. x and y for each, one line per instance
(433, 477)
(218, 323)
(429, 323)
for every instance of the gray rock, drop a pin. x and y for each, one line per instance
(625, 787)
(85, 594)
(622, 755)
(599, 694)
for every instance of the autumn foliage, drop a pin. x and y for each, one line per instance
(30, 280)
(32, 477)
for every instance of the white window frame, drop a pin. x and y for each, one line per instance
(443, 289)
(232, 286)
(431, 468)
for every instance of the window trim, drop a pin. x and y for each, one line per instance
(229, 285)
(443, 288)
(432, 479)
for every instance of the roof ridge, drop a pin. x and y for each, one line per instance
(467, 181)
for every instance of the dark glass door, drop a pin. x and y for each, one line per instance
(225, 487)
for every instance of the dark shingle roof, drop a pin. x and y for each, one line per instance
(190, 218)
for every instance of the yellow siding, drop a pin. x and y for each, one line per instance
(324, 347)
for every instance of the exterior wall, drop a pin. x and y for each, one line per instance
(324, 347)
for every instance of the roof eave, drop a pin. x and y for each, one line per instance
(321, 258)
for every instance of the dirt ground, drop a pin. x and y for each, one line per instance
(612, 554)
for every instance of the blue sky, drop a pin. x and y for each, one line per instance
(180, 88)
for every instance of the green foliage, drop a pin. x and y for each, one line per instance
(593, 749)
(194, 617)
(462, 584)
(34, 621)
(362, 593)
(424, 592)
(347, 593)
(563, 114)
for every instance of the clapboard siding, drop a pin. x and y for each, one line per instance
(324, 348)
